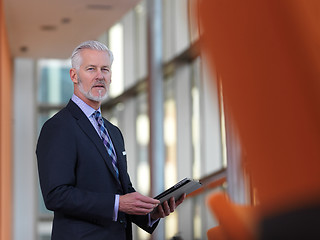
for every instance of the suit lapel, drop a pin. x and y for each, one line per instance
(89, 130)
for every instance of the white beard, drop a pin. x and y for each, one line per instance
(89, 95)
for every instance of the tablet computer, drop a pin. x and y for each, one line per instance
(186, 186)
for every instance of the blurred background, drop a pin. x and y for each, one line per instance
(160, 83)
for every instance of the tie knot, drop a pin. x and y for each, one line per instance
(97, 116)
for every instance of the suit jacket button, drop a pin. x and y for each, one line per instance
(123, 222)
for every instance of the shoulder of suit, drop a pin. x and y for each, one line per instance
(59, 117)
(109, 124)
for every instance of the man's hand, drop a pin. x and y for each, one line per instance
(166, 208)
(137, 204)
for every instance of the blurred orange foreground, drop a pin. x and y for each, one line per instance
(267, 54)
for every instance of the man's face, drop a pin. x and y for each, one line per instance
(94, 76)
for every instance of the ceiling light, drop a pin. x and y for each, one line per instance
(65, 20)
(48, 27)
(23, 48)
(99, 7)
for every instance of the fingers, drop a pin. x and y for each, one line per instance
(147, 203)
(167, 207)
(160, 212)
(148, 200)
(172, 204)
(135, 203)
(180, 200)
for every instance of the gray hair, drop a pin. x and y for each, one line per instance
(94, 45)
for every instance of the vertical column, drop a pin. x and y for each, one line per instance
(184, 148)
(24, 129)
(155, 94)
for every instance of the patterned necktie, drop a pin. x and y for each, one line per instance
(106, 140)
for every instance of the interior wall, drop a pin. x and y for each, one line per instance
(5, 131)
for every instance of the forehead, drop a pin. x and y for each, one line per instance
(95, 57)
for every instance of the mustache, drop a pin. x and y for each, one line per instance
(100, 83)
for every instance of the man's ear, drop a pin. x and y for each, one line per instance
(73, 75)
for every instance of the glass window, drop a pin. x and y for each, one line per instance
(195, 94)
(44, 231)
(181, 30)
(55, 86)
(140, 54)
(168, 30)
(170, 135)
(194, 30)
(176, 37)
(142, 138)
(170, 141)
(116, 46)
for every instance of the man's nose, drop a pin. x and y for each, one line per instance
(99, 74)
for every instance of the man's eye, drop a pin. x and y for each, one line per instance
(105, 69)
(90, 69)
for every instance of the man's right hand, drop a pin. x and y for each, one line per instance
(137, 204)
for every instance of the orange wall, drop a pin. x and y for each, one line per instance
(5, 132)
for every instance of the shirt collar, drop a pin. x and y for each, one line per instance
(86, 109)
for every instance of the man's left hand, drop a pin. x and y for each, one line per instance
(164, 210)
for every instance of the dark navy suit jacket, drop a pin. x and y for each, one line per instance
(78, 181)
